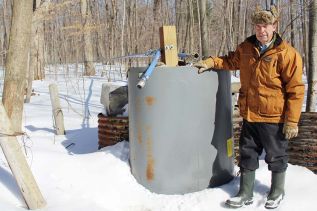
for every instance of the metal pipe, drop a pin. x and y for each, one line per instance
(142, 55)
(186, 55)
(146, 75)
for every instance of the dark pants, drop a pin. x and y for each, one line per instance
(256, 136)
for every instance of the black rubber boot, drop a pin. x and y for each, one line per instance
(245, 195)
(277, 193)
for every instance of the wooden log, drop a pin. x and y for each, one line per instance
(18, 164)
(57, 110)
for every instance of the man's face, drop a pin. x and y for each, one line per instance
(264, 32)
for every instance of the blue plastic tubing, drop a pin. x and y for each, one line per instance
(149, 70)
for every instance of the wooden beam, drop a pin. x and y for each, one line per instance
(168, 44)
(18, 164)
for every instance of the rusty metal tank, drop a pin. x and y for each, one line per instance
(180, 129)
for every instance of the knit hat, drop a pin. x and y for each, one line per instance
(261, 16)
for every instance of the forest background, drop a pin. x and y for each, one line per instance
(40, 37)
(67, 32)
(123, 27)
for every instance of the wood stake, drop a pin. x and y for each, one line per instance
(57, 110)
(18, 164)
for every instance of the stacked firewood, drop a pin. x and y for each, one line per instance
(302, 150)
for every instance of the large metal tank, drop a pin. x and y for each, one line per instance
(180, 129)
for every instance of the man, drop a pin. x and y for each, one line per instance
(270, 101)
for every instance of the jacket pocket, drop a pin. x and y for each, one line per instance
(271, 103)
(242, 101)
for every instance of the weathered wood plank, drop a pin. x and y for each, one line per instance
(168, 44)
(18, 164)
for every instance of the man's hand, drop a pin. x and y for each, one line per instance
(201, 65)
(290, 130)
(204, 65)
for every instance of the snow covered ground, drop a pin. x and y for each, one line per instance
(74, 176)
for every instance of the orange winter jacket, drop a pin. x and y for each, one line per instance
(271, 84)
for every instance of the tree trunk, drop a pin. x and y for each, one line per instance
(88, 48)
(136, 27)
(238, 30)
(224, 30)
(100, 37)
(230, 23)
(36, 57)
(206, 51)
(37, 43)
(304, 36)
(277, 3)
(179, 19)
(16, 62)
(122, 30)
(30, 75)
(156, 12)
(245, 20)
(191, 28)
(293, 28)
(312, 76)
(6, 26)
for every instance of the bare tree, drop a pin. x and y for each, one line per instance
(86, 18)
(6, 26)
(293, 15)
(73, 33)
(36, 54)
(156, 12)
(122, 30)
(304, 34)
(205, 49)
(312, 76)
(16, 62)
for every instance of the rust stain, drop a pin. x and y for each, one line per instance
(138, 105)
(139, 135)
(149, 100)
(149, 156)
(150, 168)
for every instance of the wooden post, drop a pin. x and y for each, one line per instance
(18, 164)
(57, 110)
(168, 44)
